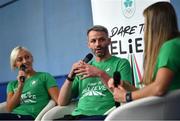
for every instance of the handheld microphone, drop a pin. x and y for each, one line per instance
(22, 68)
(116, 78)
(87, 58)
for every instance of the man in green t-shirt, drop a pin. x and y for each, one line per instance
(90, 82)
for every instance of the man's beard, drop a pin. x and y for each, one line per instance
(101, 54)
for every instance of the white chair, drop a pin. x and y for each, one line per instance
(3, 107)
(150, 108)
(50, 105)
(60, 111)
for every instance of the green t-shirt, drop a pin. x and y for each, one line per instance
(169, 57)
(34, 95)
(94, 96)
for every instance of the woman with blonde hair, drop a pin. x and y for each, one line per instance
(161, 55)
(32, 90)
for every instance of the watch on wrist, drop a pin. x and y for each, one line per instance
(70, 79)
(128, 97)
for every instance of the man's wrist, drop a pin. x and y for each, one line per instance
(70, 79)
(128, 96)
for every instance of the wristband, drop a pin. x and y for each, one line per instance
(128, 97)
(70, 79)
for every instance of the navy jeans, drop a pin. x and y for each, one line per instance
(11, 116)
(83, 117)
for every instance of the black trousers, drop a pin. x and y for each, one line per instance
(11, 116)
(83, 117)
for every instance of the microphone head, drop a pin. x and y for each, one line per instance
(23, 67)
(88, 58)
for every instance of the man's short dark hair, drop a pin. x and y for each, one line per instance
(98, 28)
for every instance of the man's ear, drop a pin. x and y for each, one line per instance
(109, 41)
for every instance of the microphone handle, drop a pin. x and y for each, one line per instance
(22, 78)
(117, 104)
(117, 78)
(23, 68)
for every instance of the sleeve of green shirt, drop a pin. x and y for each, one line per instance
(125, 70)
(75, 87)
(169, 57)
(10, 87)
(50, 81)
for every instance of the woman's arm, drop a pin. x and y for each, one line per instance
(13, 99)
(159, 87)
(53, 92)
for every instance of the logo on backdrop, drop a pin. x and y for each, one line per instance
(130, 36)
(128, 40)
(128, 8)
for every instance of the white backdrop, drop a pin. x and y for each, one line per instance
(125, 22)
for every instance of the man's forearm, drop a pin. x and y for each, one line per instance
(65, 93)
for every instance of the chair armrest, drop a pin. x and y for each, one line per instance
(142, 109)
(110, 110)
(3, 107)
(59, 111)
(49, 106)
